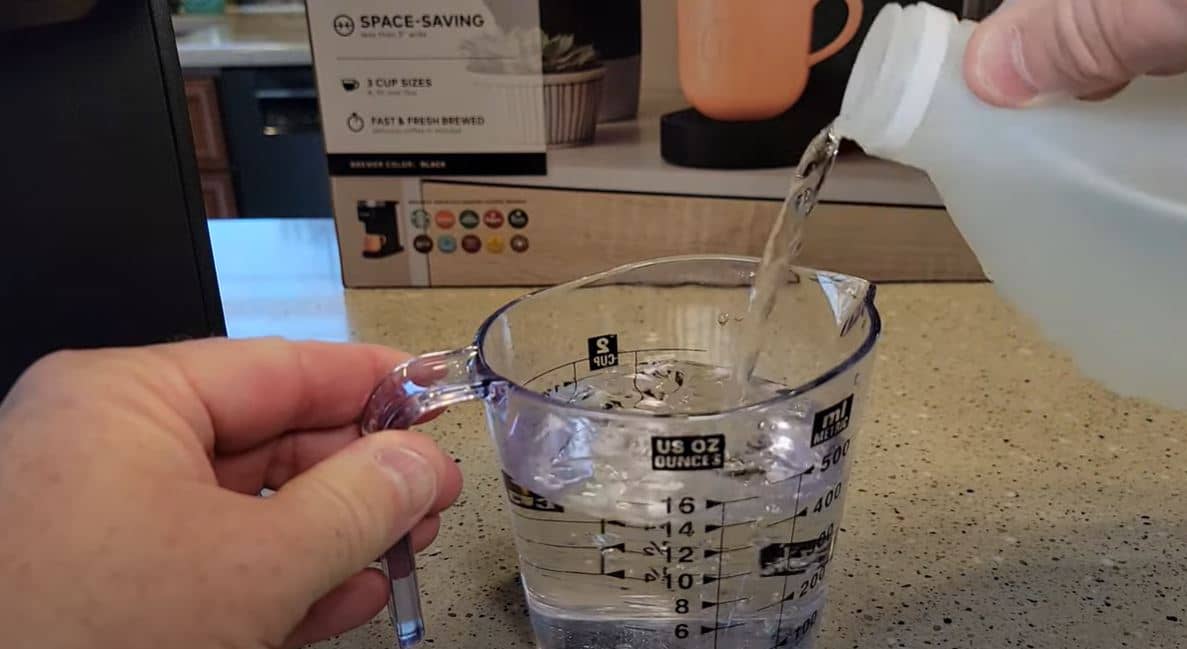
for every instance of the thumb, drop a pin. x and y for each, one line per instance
(1033, 49)
(348, 509)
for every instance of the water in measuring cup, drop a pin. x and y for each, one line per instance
(660, 387)
(628, 557)
(782, 246)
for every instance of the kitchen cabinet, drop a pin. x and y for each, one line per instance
(218, 194)
(210, 148)
(201, 96)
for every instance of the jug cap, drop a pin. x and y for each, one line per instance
(894, 76)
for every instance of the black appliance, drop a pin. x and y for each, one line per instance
(103, 239)
(690, 139)
(381, 225)
(273, 130)
(615, 29)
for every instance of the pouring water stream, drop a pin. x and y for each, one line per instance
(782, 247)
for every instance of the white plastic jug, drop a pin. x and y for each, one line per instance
(1077, 210)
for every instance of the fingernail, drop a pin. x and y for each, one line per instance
(412, 473)
(1001, 68)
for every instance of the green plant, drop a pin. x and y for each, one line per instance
(560, 54)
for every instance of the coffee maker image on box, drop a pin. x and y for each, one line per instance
(380, 221)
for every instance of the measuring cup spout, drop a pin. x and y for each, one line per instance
(408, 394)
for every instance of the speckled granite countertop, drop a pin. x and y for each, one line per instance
(998, 500)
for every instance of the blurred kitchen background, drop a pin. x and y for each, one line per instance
(254, 111)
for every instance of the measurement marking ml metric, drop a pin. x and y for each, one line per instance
(708, 579)
(793, 477)
(621, 574)
(710, 503)
(631, 526)
(783, 593)
(720, 627)
(800, 514)
(602, 555)
(720, 566)
(564, 546)
(565, 572)
(555, 520)
(705, 605)
(712, 527)
(712, 552)
(786, 598)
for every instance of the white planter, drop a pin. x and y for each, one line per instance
(571, 101)
(516, 105)
(567, 116)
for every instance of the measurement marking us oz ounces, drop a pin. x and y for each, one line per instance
(688, 452)
(673, 551)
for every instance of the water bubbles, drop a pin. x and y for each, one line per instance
(723, 318)
(661, 387)
(607, 538)
(658, 381)
(570, 472)
(653, 405)
(804, 200)
(593, 466)
(762, 440)
(741, 466)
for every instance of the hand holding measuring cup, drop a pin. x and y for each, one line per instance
(128, 482)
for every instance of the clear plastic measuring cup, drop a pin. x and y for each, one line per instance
(648, 512)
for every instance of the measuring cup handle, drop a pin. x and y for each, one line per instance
(409, 393)
(420, 386)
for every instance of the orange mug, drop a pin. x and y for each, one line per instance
(747, 60)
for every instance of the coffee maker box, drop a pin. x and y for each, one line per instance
(481, 232)
(437, 116)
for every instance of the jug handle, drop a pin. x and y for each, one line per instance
(848, 31)
(409, 393)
